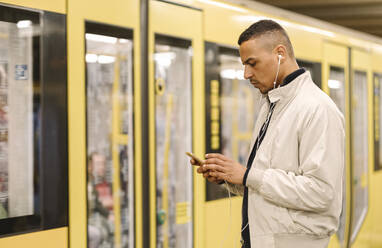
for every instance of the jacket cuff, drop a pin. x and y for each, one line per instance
(254, 178)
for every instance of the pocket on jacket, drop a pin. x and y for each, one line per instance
(286, 219)
(280, 220)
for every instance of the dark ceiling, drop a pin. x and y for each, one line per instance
(362, 15)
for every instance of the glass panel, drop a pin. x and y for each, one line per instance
(359, 151)
(377, 121)
(238, 109)
(110, 141)
(173, 173)
(314, 69)
(19, 117)
(336, 84)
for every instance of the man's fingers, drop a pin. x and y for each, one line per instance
(213, 167)
(214, 161)
(218, 175)
(218, 156)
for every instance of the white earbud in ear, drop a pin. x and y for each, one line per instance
(278, 68)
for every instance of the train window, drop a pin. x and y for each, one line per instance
(314, 69)
(235, 113)
(17, 110)
(377, 122)
(336, 84)
(110, 181)
(173, 116)
(359, 150)
(33, 124)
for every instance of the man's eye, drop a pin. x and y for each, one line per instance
(252, 64)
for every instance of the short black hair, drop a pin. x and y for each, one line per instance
(267, 27)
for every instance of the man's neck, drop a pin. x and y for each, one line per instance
(292, 67)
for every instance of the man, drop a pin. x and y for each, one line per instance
(292, 184)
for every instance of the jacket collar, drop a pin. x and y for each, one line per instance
(288, 89)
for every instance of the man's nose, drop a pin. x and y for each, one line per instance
(247, 72)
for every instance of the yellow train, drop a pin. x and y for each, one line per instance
(100, 100)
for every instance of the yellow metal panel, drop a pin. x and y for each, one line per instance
(377, 61)
(306, 49)
(336, 55)
(138, 139)
(152, 175)
(174, 20)
(198, 107)
(58, 6)
(76, 127)
(57, 238)
(224, 25)
(124, 13)
(225, 230)
(361, 60)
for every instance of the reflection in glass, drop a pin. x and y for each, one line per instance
(359, 151)
(17, 115)
(109, 141)
(239, 110)
(238, 101)
(336, 84)
(173, 138)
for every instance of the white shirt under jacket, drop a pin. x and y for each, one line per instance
(295, 182)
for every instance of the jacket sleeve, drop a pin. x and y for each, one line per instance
(321, 163)
(234, 188)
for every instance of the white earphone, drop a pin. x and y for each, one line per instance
(278, 68)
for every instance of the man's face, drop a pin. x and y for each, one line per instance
(260, 63)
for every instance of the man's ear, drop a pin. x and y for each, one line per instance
(281, 50)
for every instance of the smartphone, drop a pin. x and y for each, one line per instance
(198, 160)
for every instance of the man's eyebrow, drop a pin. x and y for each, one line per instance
(247, 61)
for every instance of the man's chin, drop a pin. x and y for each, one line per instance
(263, 91)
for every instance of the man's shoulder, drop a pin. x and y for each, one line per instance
(312, 100)
(312, 96)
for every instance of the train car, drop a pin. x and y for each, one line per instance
(344, 63)
(100, 101)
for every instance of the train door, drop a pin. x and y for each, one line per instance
(175, 93)
(33, 124)
(336, 84)
(361, 146)
(376, 176)
(104, 124)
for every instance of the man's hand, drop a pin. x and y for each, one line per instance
(221, 168)
(205, 172)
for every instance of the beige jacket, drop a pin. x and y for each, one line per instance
(295, 182)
